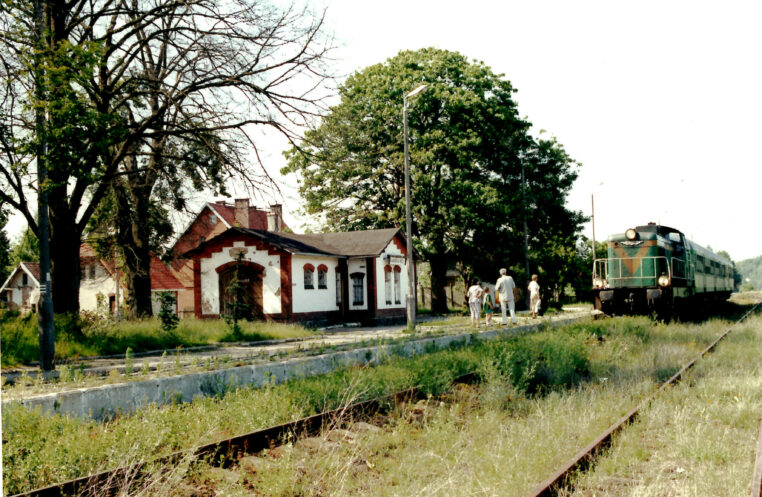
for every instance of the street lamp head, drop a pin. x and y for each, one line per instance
(416, 91)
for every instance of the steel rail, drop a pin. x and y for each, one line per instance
(224, 452)
(585, 457)
(756, 481)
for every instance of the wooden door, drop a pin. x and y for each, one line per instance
(250, 280)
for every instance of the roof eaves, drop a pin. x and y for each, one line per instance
(9, 278)
(29, 272)
(217, 213)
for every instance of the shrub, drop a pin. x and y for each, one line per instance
(167, 314)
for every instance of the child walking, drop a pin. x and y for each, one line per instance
(488, 305)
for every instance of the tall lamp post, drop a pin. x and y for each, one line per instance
(411, 300)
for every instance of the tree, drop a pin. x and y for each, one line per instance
(24, 248)
(145, 94)
(467, 149)
(5, 245)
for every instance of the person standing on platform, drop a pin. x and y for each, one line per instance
(534, 296)
(475, 303)
(488, 305)
(504, 288)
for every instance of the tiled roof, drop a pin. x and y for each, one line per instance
(257, 218)
(34, 268)
(348, 244)
(161, 277)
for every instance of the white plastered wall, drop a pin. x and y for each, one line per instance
(317, 299)
(210, 284)
(395, 258)
(18, 291)
(102, 284)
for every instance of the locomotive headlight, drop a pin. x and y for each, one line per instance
(598, 283)
(664, 280)
(631, 234)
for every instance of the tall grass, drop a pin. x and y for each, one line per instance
(42, 450)
(18, 335)
(542, 396)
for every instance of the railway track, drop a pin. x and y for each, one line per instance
(223, 453)
(584, 460)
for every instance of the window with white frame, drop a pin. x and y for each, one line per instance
(358, 290)
(338, 287)
(322, 276)
(388, 283)
(309, 272)
(397, 289)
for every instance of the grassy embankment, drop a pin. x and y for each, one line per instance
(698, 439)
(18, 336)
(543, 397)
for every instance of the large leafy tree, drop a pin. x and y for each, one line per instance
(141, 98)
(467, 148)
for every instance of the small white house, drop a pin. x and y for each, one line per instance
(21, 290)
(97, 284)
(317, 278)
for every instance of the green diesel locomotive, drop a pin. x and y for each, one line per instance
(655, 268)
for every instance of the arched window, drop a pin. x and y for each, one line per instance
(388, 283)
(358, 290)
(309, 272)
(322, 276)
(397, 289)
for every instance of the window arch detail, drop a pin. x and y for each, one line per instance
(309, 273)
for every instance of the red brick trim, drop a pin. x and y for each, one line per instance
(228, 265)
(197, 286)
(223, 241)
(286, 305)
(322, 267)
(370, 264)
(398, 243)
(309, 267)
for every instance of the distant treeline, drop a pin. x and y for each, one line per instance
(751, 273)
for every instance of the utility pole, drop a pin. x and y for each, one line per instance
(45, 328)
(592, 218)
(526, 231)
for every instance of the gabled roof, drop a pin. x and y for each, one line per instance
(226, 212)
(342, 244)
(30, 268)
(162, 278)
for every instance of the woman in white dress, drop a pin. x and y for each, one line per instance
(534, 296)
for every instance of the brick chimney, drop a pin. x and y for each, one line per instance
(242, 212)
(275, 218)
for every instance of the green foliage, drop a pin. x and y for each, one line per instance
(238, 308)
(468, 147)
(5, 245)
(90, 335)
(24, 248)
(750, 269)
(167, 311)
(542, 362)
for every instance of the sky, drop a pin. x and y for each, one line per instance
(660, 101)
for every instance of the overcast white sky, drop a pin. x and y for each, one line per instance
(661, 101)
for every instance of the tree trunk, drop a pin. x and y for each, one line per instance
(65, 240)
(438, 283)
(133, 234)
